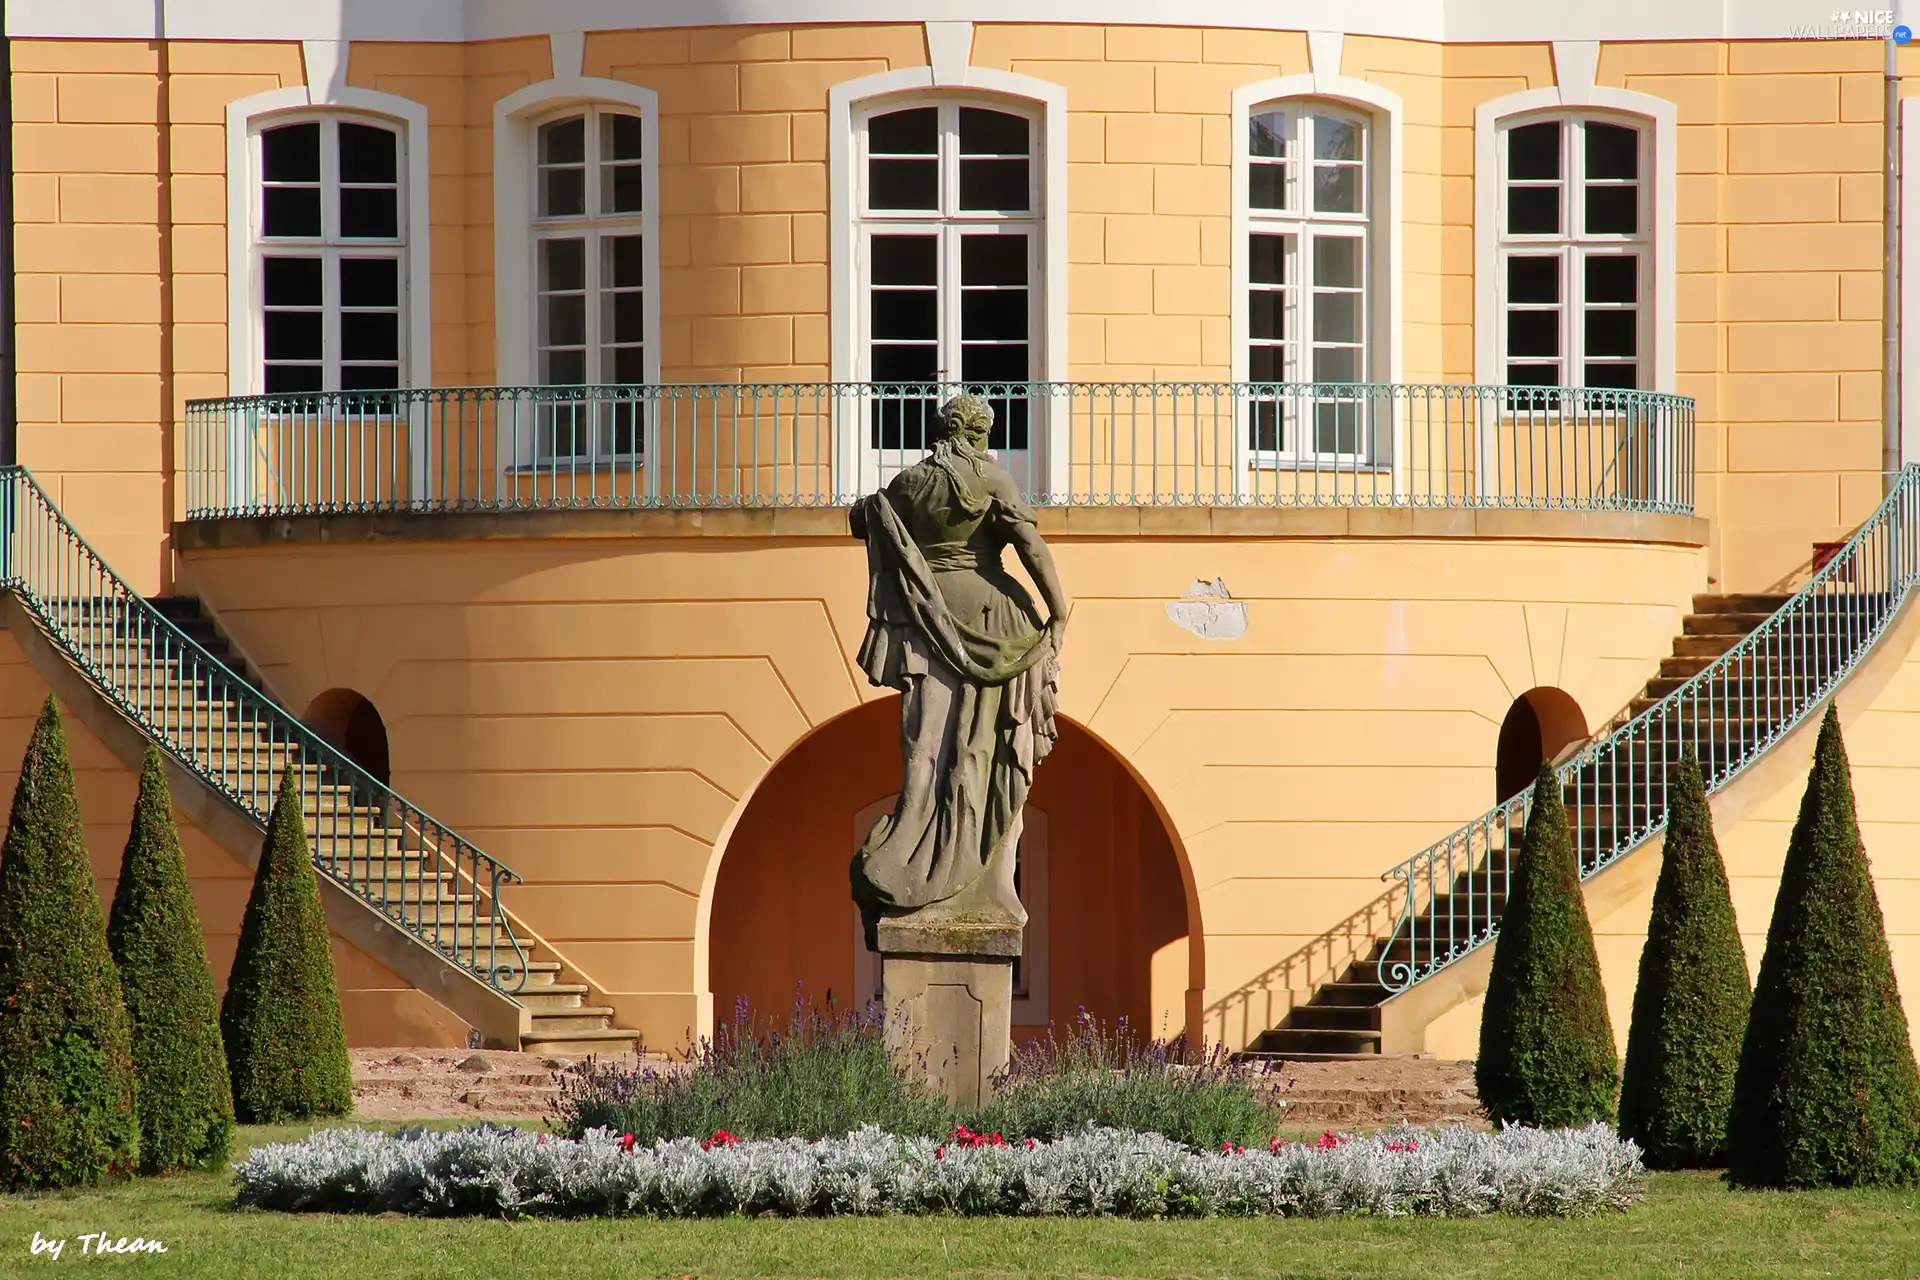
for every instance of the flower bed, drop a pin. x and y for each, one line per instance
(494, 1171)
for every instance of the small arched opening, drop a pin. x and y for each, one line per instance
(1541, 724)
(351, 723)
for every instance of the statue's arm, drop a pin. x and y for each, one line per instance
(857, 520)
(1038, 560)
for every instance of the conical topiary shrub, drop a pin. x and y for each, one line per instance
(1690, 1009)
(186, 1106)
(66, 1064)
(1827, 1093)
(1546, 1046)
(281, 1017)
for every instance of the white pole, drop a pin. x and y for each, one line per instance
(1890, 303)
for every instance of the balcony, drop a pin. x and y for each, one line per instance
(1069, 445)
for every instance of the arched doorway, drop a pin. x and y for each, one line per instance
(1115, 912)
(1541, 723)
(350, 722)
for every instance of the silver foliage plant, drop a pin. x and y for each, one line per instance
(495, 1171)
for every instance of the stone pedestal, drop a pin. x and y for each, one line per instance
(947, 984)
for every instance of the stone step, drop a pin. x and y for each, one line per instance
(1721, 624)
(1739, 603)
(1703, 646)
(542, 975)
(554, 997)
(1332, 1017)
(587, 1017)
(1287, 1039)
(602, 1043)
(1350, 992)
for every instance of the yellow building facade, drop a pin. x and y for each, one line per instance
(1399, 400)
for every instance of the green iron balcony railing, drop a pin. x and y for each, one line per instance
(368, 840)
(1729, 715)
(1072, 444)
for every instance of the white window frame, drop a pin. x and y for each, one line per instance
(1382, 112)
(516, 121)
(1572, 244)
(246, 118)
(1046, 103)
(1575, 65)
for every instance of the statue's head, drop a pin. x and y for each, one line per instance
(966, 417)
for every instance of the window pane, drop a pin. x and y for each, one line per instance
(1533, 333)
(625, 265)
(1613, 278)
(904, 259)
(1004, 362)
(1336, 188)
(621, 189)
(1613, 151)
(620, 137)
(915, 132)
(369, 377)
(900, 363)
(369, 213)
(1533, 151)
(287, 379)
(625, 364)
(564, 141)
(292, 335)
(1336, 262)
(369, 335)
(563, 320)
(1267, 260)
(1611, 333)
(1533, 279)
(1613, 210)
(999, 314)
(563, 193)
(1335, 139)
(369, 282)
(563, 368)
(563, 265)
(1533, 375)
(291, 153)
(1533, 211)
(1267, 314)
(1267, 364)
(1336, 317)
(290, 211)
(1267, 134)
(905, 314)
(903, 184)
(1336, 364)
(1336, 427)
(1267, 186)
(993, 133)
(291, 282)
(1624, 377)
(368, 154)
(993, 260)
(999, 185)
(623, 317)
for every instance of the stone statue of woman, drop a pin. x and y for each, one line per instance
(978, 672)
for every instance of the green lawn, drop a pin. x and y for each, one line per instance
(1690, 1226)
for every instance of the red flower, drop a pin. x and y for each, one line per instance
(720, 1138)
(939, 1152)
(1031, 1144)
(1274, 1144)
(626, 1142)
(1329, 1140)
(540, 1141)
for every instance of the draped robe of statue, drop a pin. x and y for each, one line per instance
(961, 640)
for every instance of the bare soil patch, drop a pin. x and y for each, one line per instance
(423, 1084)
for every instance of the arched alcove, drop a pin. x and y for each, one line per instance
(1117, 910)
(349, 720)
(1541, 723)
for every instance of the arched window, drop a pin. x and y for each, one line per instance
(328, 253)
(1574, 267)
(950, 259)
(591, 272)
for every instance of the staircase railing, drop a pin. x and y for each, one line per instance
(239, 741)
(1730, 714)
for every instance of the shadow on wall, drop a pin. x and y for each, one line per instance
(782, 918)
(350, 722)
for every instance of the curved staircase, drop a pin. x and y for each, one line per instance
(394, 881)
(1744, 672)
